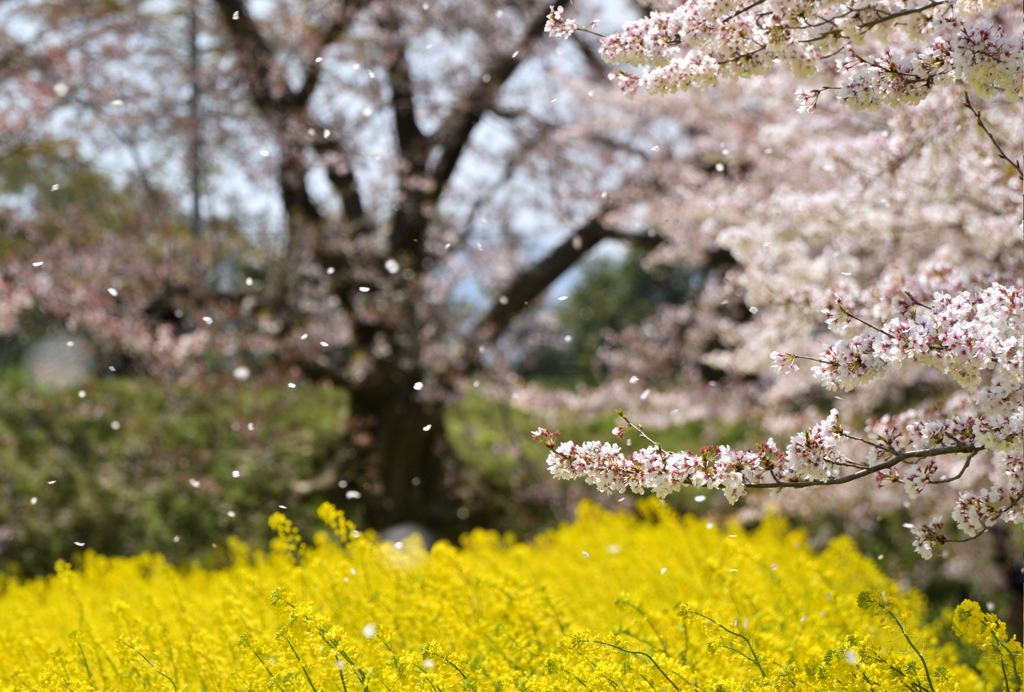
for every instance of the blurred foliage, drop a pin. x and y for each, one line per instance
(125, 490)
(69, 476)
(64, 192)
(611, 294)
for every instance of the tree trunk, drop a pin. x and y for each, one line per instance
(400, 458)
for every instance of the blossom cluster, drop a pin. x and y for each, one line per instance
(696, 44)
(558, 26)
(573, 609)
(965, 336)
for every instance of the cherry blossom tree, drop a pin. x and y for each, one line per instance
(415, 157)
(894, 210)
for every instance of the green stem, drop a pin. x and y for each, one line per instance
(151, 665)
(756, 660)
(927, 673)
(85, 661)
(299, 659)
(642, 653)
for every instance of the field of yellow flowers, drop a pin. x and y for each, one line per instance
(610, 602)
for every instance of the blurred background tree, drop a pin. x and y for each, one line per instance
(381, 195)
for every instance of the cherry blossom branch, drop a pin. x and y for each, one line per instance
(981, 123)
(847, 313)
(896, 459)
(701, 42)
(960, 335)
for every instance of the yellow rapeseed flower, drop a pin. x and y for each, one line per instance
(611, 601)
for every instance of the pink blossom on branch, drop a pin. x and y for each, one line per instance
(888, 210)
(560, 27)
(885, 53)
(974, 337)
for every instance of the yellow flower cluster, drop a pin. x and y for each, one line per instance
(610, 602)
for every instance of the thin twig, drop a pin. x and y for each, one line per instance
(842, 309)
(899, 458)
(984, 128)
(967, 463)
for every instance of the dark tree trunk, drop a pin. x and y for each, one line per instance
(400, 457)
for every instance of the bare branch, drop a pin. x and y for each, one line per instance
(530, 283)
(454, 132)
(981, 123)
